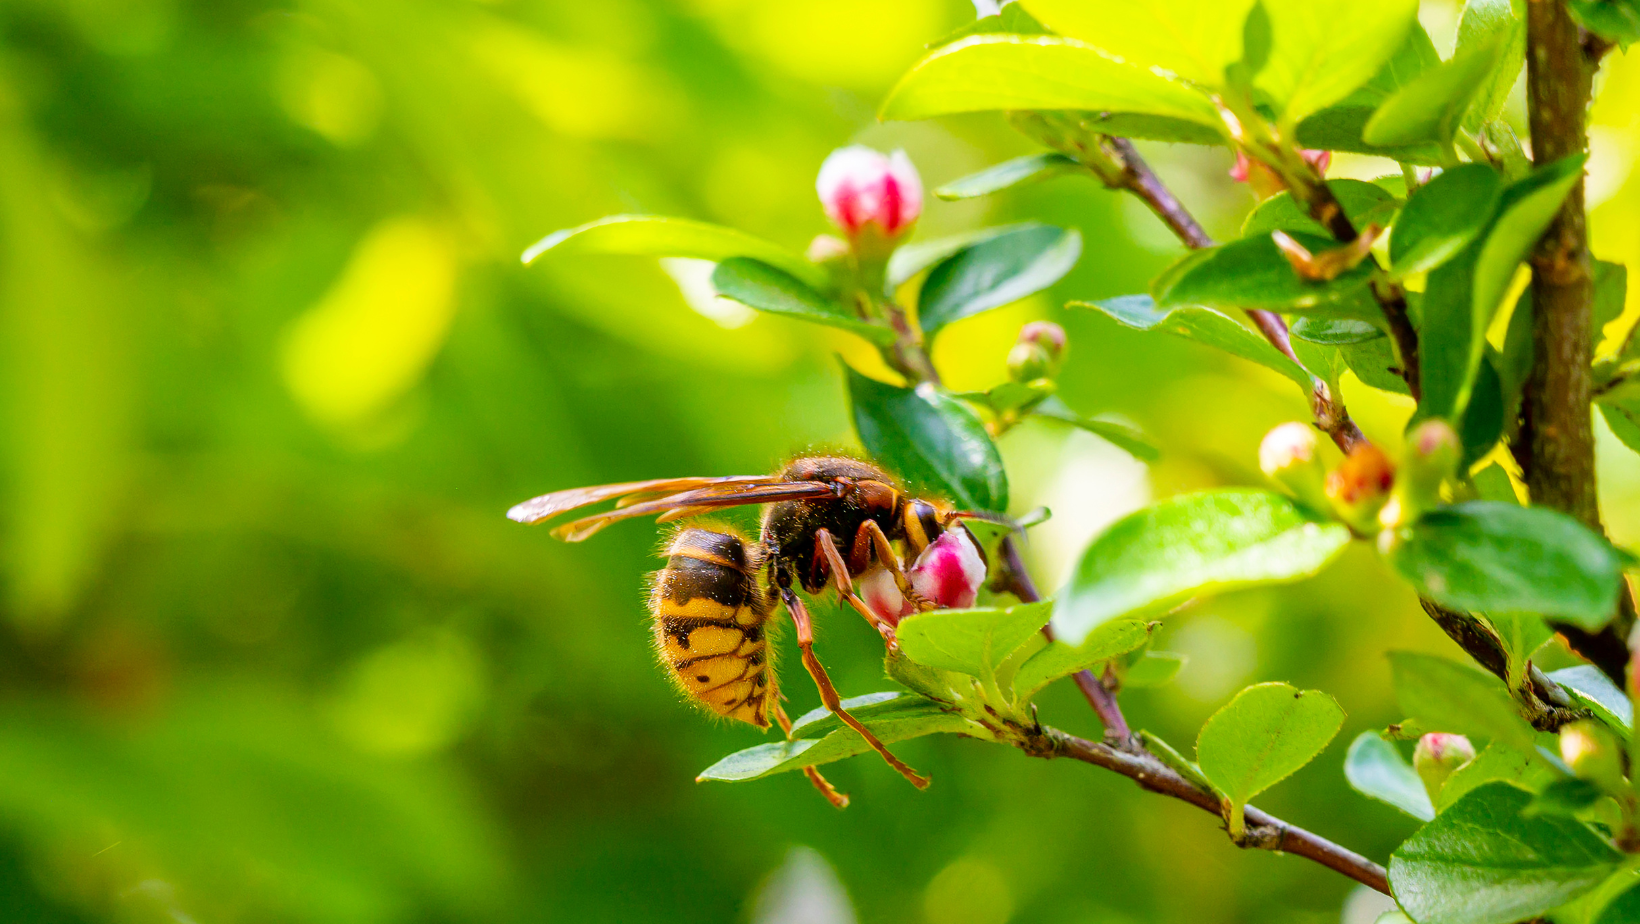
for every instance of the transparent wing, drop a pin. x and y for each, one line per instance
(699, 501)
(547, 506)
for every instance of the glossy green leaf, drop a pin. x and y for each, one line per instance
(1320, 53)
(931, 439)
(1195, 40)
(1252, 273)
(1564, 798)
(983, 73)
(767, 288)
(1203, 325)
(1617, 20)
(1152, 127)
(1527, 207)
(1442, 217)
(1193, 544)
(1494, 557)
(1032, 168)
(1376, 769)
(1264, 735)
(1481, 862)
(1123, 436)
(900, 719)
(1596, 691)
(995, 272)
(1374, 362)
(1429, 109)
(1446, 696)
(1497, 761)
(659, 236)
(1154, 669)
(910, 259)
(1484, 22)
(1334, 331)
(820, 721)
(1361, 201)
(972, 641)
(1059, 659)
(1338, 127)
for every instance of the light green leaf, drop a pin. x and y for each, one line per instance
(984, 73)
(1154, 669)
(1265, 735)
(659, 236)
(1492, 483)
(1611, 289)
(1442, 217)
(1193, 544)
(1320, 53)
(820, 721)
(900, 719)
(1334, 331)
(1195, 40)
(1338, 128)
(1625, 908)
(1428, 110)
(1595, 690)
(1522, 634)
(1527, 207)
(1481, 862)
(931, 439)
(1361, 201)
(972, 641)
(995, 272)
(1032, 168)
(1499, 557)
(1625, 423)
(1483, 22)
(911, 259)
(1377, 770)
(1617, 20)
(1123, 436)
(1447, 696)
(1497, 761)
(1059, 659)
(1252, 273)
(767, 288)
(1203, 325)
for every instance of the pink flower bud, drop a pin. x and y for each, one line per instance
(1437, 755)
(1039, 354)
(948, 574)
(1047, 333)
(1290, 456)
(859, 186)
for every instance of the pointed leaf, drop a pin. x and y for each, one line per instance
(1442, 217)
(1482, 22)
(1265, 735)
(972, 641)
(1203, 325)
(1032, 168)
(995, 272)
(1339, 127)
(1320, 53)
(1252, 273)
(930, 439)
(1195, 40)
(1377, 770)
(1595, 690)
(767, 288)
(1123, 436)
(1363, 203)
(1058, 659)
(659, 236)
(898, 720)
(1428, 110)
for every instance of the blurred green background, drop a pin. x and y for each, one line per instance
(269, 650)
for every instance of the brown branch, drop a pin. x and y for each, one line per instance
(1541, 701)
(1263, 832)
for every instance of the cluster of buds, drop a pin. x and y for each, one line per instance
(1038, 354)
(1365, 490)
(873, 198)
(948, 574)
(1437, 756)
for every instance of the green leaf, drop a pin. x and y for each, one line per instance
(1154, 669)
(1522, 634)
(1203, 325)
(1611, 289)
(995, 72)
(1265, 735)
(1193, 544)
(1195, 40)
(1564, 798)
(1497, 761)
(1320, 53)
(972, 641)
(1032, 168)
(931, 439)
(1374, 363)
(1059, 659)
(1151, 127)
(1617, 20)
(1625, 909)
(1484, 22)
(820, 721)
(1338, 128)
(1527, 207)
(1492, 483)
(1591, 687)
(1447, 696)
(658, 236)
(1376, 769)
(1625, 424)
(1442, 217)
(1361, 202)
(995, 272)
(911, 259)
(1481, 862)
(1428, 110)
(900, 719)
(1497, 557)
(1127, 438)
(767, 288)
(1252, 273)
(1334, 331)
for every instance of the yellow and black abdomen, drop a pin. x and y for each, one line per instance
(711, 617)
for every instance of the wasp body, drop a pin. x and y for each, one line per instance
(711, 616)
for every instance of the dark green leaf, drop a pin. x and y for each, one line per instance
(659, 236)
(1031, 168)
(982, 73)
(1480, 862)
(911, 259)
(1483, 22)
(1154, 669)
(1443, 216)
(1482, 423)
(1617, 20)
(1195, 40)
(1320, 53)
(900, 719)
(1252, 273)
(1625, 908)
(1447, 696)
(1193, 544)
(1522, 634)
(1123, 436)
(1488, 556)
(1527, 207)
(1375, 364)
(1360, 201)
(931, 439)
(1497, 761)
(1059, 659)
(972, 641)
(1203, 325)
(1564, 798)
(1334, 331)
(1377, 770)
(995, 272)
(1590, 686)
(1265, 735)
(1428, 110)
(767, 288)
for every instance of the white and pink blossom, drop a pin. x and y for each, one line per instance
(949, 574)
(860, 187)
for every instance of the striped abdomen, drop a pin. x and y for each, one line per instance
(710, 616)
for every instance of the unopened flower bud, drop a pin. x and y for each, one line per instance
(1437, 755)
(827, 249)
(1290, 456)
(1591, 751)
(1264, 181)
(1432, 454)
(948, 574)
(1039, 354)
(1359, 486)
(870, 195)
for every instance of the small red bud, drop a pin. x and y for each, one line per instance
(860, 187)
(1039, 353)
(1359, 486)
